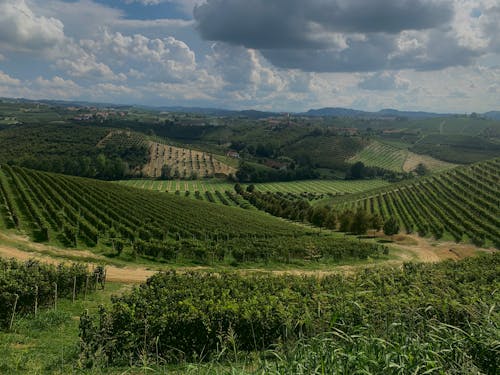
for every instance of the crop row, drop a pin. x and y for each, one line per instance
(82, 212)
(29, 286)
(461, 202)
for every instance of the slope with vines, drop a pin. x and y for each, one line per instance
(81, 212)
(463, 203)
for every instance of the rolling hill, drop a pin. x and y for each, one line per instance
(78, 212)
(463, 204)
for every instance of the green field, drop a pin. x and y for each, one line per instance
(462, 203)
(132, 223)
(326, 187)
(313, 186)
(381, 155)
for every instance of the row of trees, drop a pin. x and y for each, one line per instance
(357, 222)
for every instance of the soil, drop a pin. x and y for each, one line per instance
(413, 248)
(412, 160)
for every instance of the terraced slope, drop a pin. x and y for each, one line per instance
(181, 162)
(463, 203)
(82, 212)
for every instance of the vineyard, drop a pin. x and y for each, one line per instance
(440, 318)
(78, 212)
(463, 203)
(381, 155)
(223, 192)
(169, 161)
(386, 156)
(27, 287)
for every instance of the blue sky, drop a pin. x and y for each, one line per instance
(283, 55)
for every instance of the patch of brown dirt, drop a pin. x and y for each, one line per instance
(412, 160)
(427, 250)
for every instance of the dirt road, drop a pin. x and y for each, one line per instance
(414, 249)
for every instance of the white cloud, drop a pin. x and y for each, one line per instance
(166, 59)
(22, 30)
(82, 18)
(7, 80)
(82, 64)
(384, 81)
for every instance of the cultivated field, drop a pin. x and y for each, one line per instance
(463, 203)
(397, 159)
(77, 212)
(216, 188)
(381, 155)
(181, 162)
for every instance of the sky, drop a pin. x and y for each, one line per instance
(280, 55)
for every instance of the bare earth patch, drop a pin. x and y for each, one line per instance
(412, 160)
(405, 248)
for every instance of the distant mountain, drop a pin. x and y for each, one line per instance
(494, 115)
(347, 112)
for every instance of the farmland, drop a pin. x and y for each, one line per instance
(76, 212)
(396, 159)
(166, 160)
(413, 319)
(462, 203)
(283, 268)
(317, 188)
(381, 155)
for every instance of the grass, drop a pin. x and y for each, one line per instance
(48, 343)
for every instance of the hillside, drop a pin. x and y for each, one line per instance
(457, 148)
(463, 203)
(70, 149)
(396, 159)
(78, 212)
(167, 161)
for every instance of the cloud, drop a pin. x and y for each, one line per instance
(243, 70)
(384, 81)
(186, 5)
(7, 80)
(22, 30)
(82, 18)
(296, 23)
(56, 87)
(340, 35)
(162, 59)
(81, 64)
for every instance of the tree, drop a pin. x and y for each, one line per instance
(360, 222)
(391, 227)
(345, 220)
(357, 171)
(376, 222)
(166, 172)
(331, 220)
(318, 216)
(421, 169)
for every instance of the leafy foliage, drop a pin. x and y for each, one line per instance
(76, 211)
(191, 316)
(70, 149)
(461, 202)
(34, 285)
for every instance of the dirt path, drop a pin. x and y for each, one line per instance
(414, 249)
(126, 274)
(428, 250)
